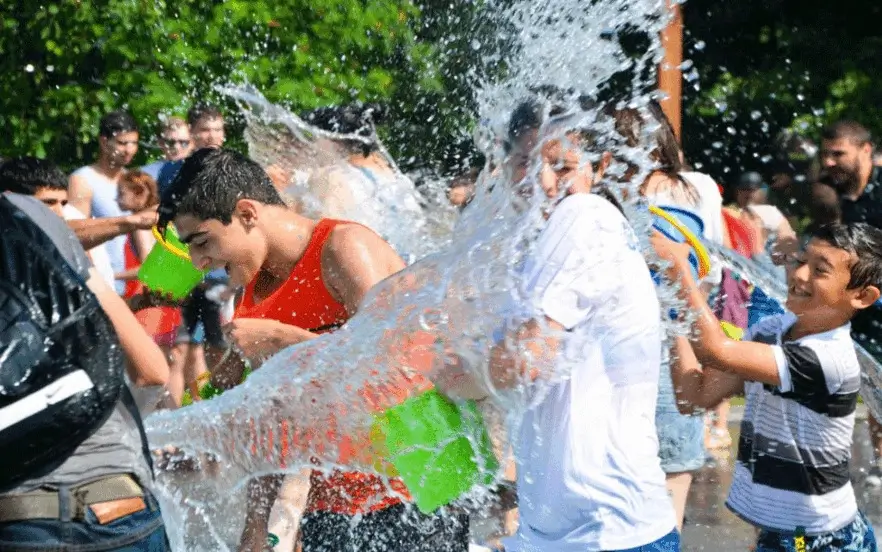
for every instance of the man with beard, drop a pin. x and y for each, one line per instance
(851, 188)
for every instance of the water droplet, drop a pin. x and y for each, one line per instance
(755, 115)
(700, 45)
(29, 68)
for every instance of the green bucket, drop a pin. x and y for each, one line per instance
(431, 442)
(167, 268)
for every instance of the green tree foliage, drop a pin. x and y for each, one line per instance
(67, 63)
(763, 66)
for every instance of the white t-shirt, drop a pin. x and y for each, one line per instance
(98, 255)
(770, 216)
(589, 477)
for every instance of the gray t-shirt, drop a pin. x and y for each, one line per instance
(116, 447)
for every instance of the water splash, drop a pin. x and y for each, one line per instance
(306, 158)
(454, 299)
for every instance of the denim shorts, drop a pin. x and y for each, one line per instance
(680, 438)
(139, 532)
(668, 543)
(857, 536)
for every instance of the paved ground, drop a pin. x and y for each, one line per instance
(710, 526)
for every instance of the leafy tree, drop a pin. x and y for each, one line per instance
(763, 66)
(65, 64)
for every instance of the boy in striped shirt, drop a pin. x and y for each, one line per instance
(800, 374)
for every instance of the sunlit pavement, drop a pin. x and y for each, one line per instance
(710, 526)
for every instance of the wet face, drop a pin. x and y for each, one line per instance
(54, 199)
(818, 282)
(176, 143)
(562, 165)
(844, 160)
(120, 149)
(132, 198)
(239, 247)
(208, 133)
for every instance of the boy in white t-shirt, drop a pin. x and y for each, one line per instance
(801, 377)
(589, 477)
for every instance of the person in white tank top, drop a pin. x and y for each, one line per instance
(93, 188)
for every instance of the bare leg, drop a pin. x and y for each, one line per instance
(262, 492)
(678, 487)
(176, 376)
(284, 520)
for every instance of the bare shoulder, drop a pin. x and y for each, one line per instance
(353, 243)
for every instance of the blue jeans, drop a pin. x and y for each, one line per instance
(668, 543)
(139, 532)
(857, 536)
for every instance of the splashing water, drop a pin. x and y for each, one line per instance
(454, 298)
(306, 158)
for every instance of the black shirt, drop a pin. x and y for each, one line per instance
(868, 207)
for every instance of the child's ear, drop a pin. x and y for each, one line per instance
(865, 298)
(246, 210)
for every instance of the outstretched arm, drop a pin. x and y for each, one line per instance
(746, 359)
(94, 232)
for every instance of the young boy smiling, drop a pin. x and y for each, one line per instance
(801, 377)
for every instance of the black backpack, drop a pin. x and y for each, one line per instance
(61, 365)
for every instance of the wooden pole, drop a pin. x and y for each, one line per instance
(670, 80)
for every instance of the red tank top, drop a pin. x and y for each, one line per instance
(303, 300)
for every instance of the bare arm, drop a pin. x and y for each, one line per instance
(80, 194)
(354, 260)
(94, 232)
(146, 364)
(699, 387)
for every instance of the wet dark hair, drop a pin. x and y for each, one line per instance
(202, 111)
(211, 182)
(852, 131)
(357, 118)
(864, 242)
(116, 122)
(25, 175)
(629, 123)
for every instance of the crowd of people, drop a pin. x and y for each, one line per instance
(605, 460)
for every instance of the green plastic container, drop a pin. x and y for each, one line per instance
(439, 449)
(167, 268)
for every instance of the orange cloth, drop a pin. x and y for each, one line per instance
(159, 322)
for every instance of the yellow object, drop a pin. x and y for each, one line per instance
(170, 245)
(732, 331)
(704, 263)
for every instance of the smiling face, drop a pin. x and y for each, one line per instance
(239, 247)
(562, 165)
(818, 283)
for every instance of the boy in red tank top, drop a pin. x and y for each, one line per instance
(301, 278)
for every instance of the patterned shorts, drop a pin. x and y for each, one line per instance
(857, 536)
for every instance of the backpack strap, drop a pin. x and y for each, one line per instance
(128, 401)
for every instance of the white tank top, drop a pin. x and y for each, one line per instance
(104, 193)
